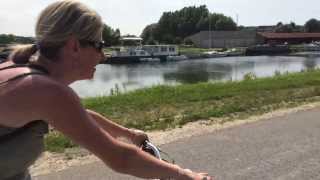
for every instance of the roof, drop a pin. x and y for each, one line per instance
(131, 39)
(288, 35)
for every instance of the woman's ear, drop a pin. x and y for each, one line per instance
(73, 47)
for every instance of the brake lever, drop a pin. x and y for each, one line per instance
(151, 149)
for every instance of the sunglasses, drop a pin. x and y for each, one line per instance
(97, 45)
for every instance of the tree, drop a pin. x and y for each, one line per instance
(148, 34)
(202, 24)
(225, 24)
(287, 28)
(151, 41)
(6, 39)
(280, 28)
(188, 42)
(110, 36)
(116, 37)
(173, 27)
(312, 25)
(10, 38)
(279, 24)
(241, 27)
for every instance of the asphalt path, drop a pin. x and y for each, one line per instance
(280, 148)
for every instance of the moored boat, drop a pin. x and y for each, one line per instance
(135, 54)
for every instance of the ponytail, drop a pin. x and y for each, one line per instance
(21, 54)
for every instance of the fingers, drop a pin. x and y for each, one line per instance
(205, 176)
(200, 176)
(138, 137)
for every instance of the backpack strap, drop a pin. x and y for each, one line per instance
(42, 70)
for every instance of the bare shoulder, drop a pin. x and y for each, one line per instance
(50, 94)
(41, 87)
(33, 98)
(49, 88)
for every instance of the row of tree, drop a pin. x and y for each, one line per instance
(173, 27)
(10, 38)
(311, 26)
(110, 36)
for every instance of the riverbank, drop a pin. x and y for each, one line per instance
(169, 107)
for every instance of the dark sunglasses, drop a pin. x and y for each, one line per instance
(97, 45)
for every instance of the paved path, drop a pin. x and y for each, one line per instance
(281, 148)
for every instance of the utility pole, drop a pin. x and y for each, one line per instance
(237, 19)
(210, 38)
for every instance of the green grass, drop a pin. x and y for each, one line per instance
(57, 142)
(163, 107)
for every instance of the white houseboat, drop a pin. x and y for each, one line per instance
(138, 53)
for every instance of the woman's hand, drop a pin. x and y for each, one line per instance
(138, 137)
(196, 176)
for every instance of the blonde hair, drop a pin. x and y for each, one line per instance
(56, 23)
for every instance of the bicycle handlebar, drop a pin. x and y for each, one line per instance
(151, 149)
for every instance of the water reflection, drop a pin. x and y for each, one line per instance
(187, 73)
(310, 63)
(130, 77)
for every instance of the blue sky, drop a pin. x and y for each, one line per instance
(131, 16)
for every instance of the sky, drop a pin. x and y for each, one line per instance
(131, 16)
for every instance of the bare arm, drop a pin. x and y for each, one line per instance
(69, 117)
(136, 137)
(115, 130)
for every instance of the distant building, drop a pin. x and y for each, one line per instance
(265, 28)
(131, 41)
(223, 39)
(290, 38)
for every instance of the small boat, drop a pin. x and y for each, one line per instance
(312, 47)
(214, 54)
(177, 58)
(123, 55)
(234, 52)
(267, 49)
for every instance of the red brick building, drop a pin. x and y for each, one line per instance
(290, 38)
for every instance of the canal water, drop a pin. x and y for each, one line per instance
(112, 78)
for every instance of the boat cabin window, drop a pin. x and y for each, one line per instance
(171, 49)
(163, 49)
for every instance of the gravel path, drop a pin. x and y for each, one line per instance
(51, 162)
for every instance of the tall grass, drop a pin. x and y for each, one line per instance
(163, 107)
(158, 107)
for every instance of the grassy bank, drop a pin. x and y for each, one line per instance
(165, 107)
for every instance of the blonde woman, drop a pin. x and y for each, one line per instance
(34, 92)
